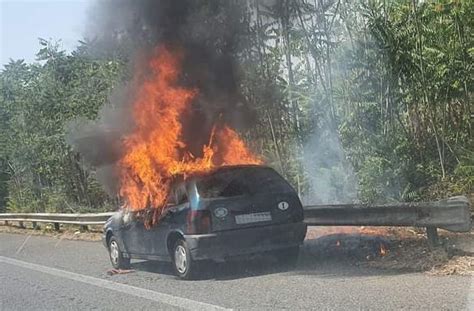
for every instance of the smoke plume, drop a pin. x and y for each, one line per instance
(208, 33)
(331, 177)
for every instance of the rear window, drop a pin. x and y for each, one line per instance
(241, 181)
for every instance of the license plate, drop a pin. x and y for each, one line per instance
(251, 218)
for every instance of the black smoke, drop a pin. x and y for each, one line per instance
(211, 34)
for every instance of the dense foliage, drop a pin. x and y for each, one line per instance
(366, 100)
(39, 169)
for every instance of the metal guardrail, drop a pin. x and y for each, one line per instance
(452, 214)
(74, 219)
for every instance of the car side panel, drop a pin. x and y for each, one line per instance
(157, 239)
(134, 237)
(113, 226)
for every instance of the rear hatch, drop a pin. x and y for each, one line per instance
(241, 197)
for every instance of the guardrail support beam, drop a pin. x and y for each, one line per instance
(452, 214)
(83, 228)
(56, 226)
(433, 238)
(21, 225)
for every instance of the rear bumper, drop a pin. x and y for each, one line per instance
(232, 243)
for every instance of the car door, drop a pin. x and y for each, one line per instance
(159, 233)
(155, 238)
(133, 235)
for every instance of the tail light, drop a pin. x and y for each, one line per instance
(199, 221)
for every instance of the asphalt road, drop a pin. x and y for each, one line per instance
(44, 273)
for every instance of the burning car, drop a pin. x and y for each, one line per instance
(229, 212)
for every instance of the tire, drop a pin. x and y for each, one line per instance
(288, 256)
(116, 255)
(184, 266)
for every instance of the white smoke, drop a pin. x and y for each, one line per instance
(331, 176)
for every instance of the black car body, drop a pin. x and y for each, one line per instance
(232, 211)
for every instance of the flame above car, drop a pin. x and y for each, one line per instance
(155, 150)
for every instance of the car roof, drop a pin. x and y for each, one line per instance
(179, 179)
(227, 168)
(236, 167)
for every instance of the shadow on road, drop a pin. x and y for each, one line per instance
(154, 267)
(328, 256)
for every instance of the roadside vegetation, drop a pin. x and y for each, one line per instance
(372, 94)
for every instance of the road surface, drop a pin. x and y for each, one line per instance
(45, 273)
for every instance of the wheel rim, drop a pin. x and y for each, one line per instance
(180, 259)
(114, 252)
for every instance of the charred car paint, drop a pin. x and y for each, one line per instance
(232, 211)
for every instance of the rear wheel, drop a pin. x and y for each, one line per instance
(288, 256)
(184, 266)
(116, 255)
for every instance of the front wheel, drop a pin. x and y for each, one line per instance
(184, 266)
(116, 255)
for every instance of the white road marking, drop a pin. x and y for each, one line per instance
(179, 302)
(23, 244)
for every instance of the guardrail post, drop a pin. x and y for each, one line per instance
(21, 225)
(83, 228)
(35, 225)
(6, 222)
(433, 238)
(56, 226)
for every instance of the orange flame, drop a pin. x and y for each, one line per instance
(155, 151)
